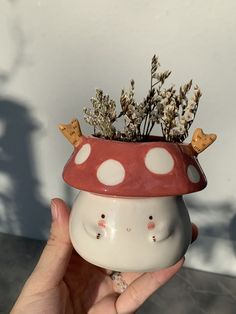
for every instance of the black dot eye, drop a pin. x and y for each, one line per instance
(150, 217)
(103, 216)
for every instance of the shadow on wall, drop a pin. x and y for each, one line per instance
(219, 222)
(21, 210)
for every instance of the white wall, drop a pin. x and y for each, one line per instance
(55, 53)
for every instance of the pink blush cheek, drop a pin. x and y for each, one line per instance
(151, 225)
(102, 223)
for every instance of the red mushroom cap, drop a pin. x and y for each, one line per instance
(134, 169)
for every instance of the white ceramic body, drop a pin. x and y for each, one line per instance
(136, 234)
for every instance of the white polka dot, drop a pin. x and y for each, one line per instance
(111, 172)
(83, 154)
(193, 174)
(158, 160)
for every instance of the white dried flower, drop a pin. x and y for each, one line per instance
(168, 94)
(188, 116)
(179, 130)
(171, 108)
(182, 120)
(191, 105)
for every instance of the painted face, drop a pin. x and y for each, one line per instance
(113, 221)
(103, 225)
(150, 230)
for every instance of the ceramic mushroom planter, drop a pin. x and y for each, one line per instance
(130, 214)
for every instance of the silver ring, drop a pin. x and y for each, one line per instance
(119, 282)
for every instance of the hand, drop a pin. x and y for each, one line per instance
(63, 282)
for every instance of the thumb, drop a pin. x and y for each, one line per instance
(56, 255)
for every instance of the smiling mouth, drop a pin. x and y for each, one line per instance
(128, 229)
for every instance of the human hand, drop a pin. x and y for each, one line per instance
(63, 282)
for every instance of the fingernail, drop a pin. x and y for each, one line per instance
(54, 210)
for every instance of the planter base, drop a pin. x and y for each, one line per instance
(130, 234)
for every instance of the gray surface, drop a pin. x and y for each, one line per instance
(190, 291)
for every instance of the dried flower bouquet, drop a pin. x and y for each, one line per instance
(173, 111)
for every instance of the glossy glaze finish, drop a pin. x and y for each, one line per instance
(130, 234)
(141, 169)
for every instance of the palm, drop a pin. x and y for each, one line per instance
(88, 285)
